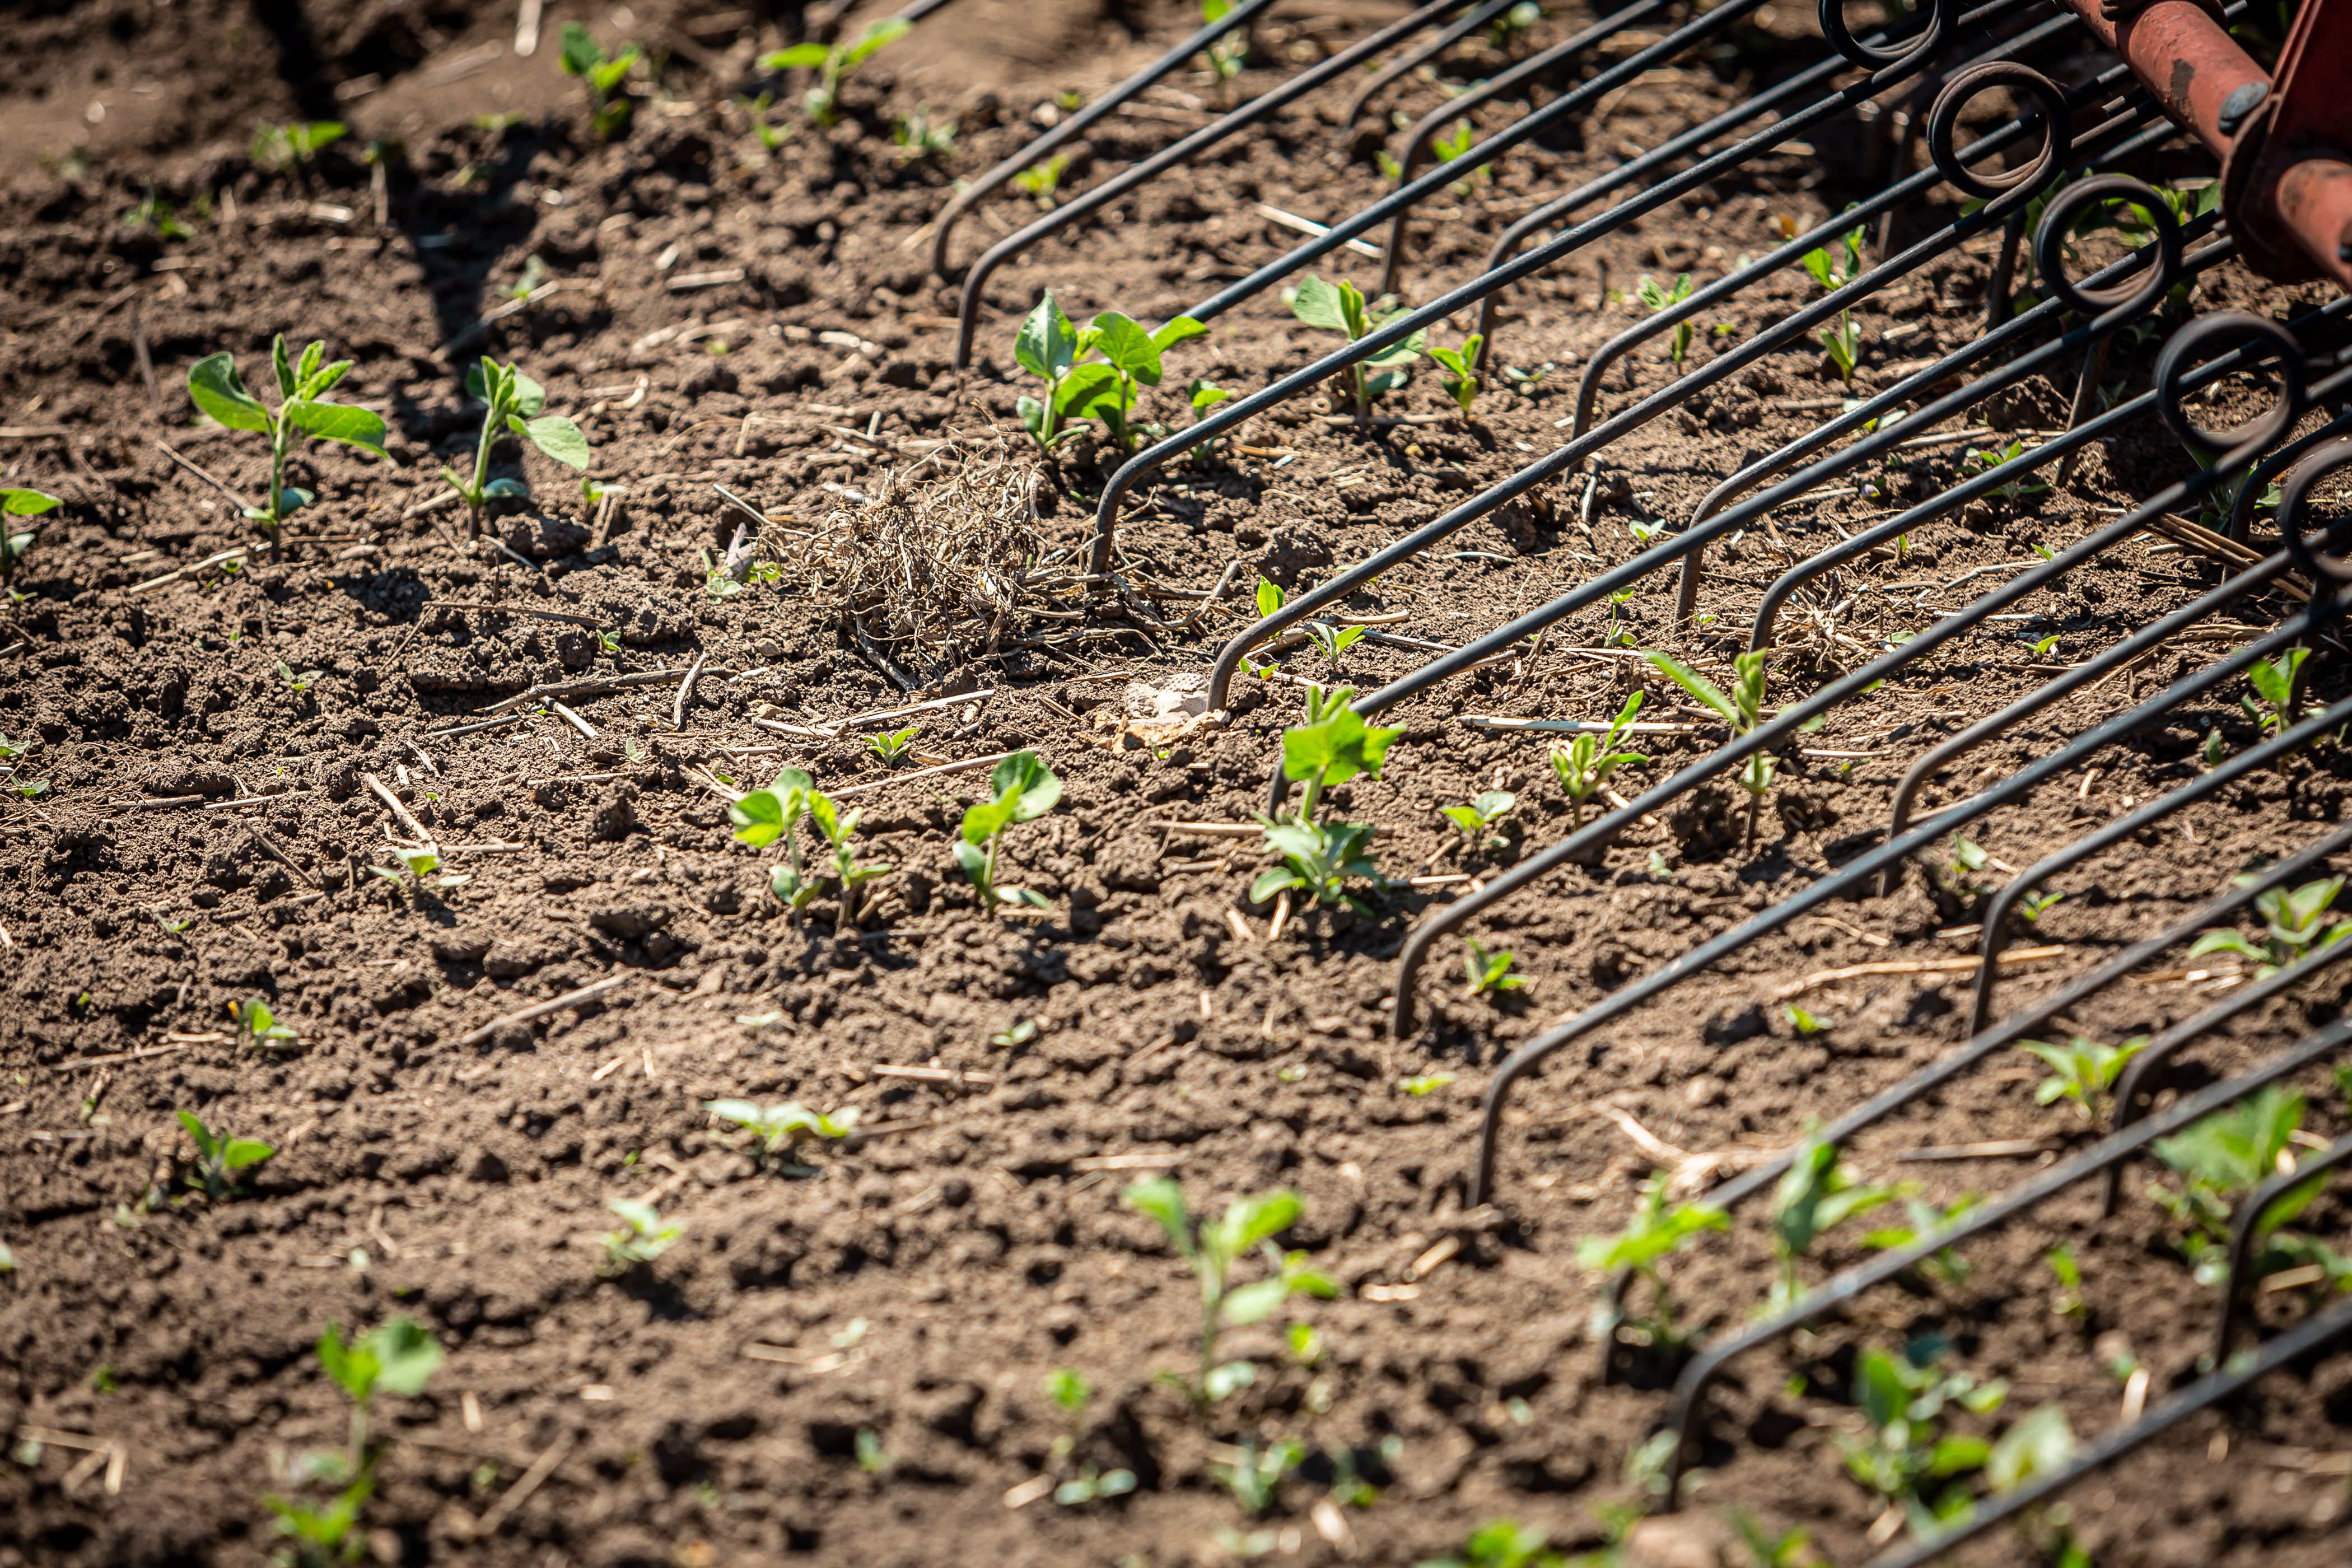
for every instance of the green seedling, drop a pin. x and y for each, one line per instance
(417, 871)
(1959, 876)
(1201, 396)
(172, 927)
(1475, 822)
(1230, 52)
(1052, 348)
(1213, 1250)
(2069, 1275)
(1022, 788)
(835, 63)
(1317, 857)
(1257, 1477)
(1334, 641)
(1508, 1543)
(755, 110)
(1449, 148)
(641, 1238)
(848, 873)
(219, 1159)
(2034, 906)
(1657, 1230)
(1804, 1023)
(920, 135)
(1528, 380)
(1765, 1550)
(1817, 1193)
(1425, 1085)
(785, 1126)
(1340, 308)
(1068, 1388)
(29, 789)
(297, 680)
(1660, 300)
(2273, 681)
(1489, 973)
(2221, 1156)
(2040, 1445)
(511, 402)
(1460, 366)
(302, 410)
(2294, 924)
(1985, 461)
(16, 503)
(872, 1458)
(1586, 763)
(891, 744)
(155, 217)
(1043, 180)
(1019, 1034)
(1833, 266)
(533, 274)
(1743, 711)
(1925, 1221)
(399, 1357)
(1903, 1399)
(293, 149)
(2082, 1070)
(765, 816)
(255, 1023)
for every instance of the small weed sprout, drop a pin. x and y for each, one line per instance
(399, 1357)
(1508, 1543)
(1586, 760)
(2273, 681)
(1341, 308)
(1657, 1230)
(2293, 924)
(1425, 1085)
(302, 410)
(2083, 1070)
(155, 217)
(1985, 460)
(1660, 299)
(1068, 1389)
(835, 63)
(16, 503)
(1902, 1399)
(1804, 1023)
(1247, 1223)
(764, 815)
(256, 1025)
(1255, 1478)
(1021, 789)
(1833, 266)
(1489, 973)
(891, 744)
(293, 149)
(1230, 52)
(919, 135)
(297, 680)
(2060, 1259)
(1743, 711)
(1043, 180)
(1334, 641)
(1015, 1034)
(1817, 1193)
(783, 1126)
(641, 1238)
(755, 110)
(2034, 906)
(1475, 822)
(220, 1158)
(2229, 1153)
(1333, 746)
(511, 402)
(872, 1456)
(1449, 148)
(1460, 365)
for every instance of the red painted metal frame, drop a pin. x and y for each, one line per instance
(2286, 145)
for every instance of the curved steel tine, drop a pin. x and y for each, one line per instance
(1783, 728)
(963, 201)
(1179, 151)
(1940, 755)
(2246, 1224)
(1447, 37)
(1424, 132)
(1690, 1390)
(2004, 273)
(2131, 1088)
(1231, 414)
(2320, 1331)
(2242, 508)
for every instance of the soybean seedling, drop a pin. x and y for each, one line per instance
(1986, 460)
(1902, 1399)
(1743, 711)
(2083, 1070)
(919, 135)
(1230, 52)
(1022, 788)
(1585, 764)
(1460, 366)
(848, 873)
(764, 815)
(1660, 299)
(1334, 641)
(1817, 1193)
(2273, 681)
(1449, 148)
(1213, 1250)
(2225, 1155)
(641, 1238)
(1317, 857)
(16, 503)
(835, 63)
(892, 745)
(399, 1357)
(302, 410)
(1068, 1388)
(1489, 973)
(256, 1023)
(2293, 924)
(601, 74)
(511, 402)
(785, 1126)
(1052, 348)
(1657, 1230)
(155, 217)
(1340, 308)
(297, 680)
(1041, 181)
(219, 1159)
(1256, 1476)
(1475, 822)
(292, 149)
(1832, 266)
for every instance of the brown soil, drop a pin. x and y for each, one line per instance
(919, 1282)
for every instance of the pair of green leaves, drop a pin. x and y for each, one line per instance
(835, 64)
(583, 57)
(1658, 298)
(1488, 973)
(1052, 348)
(295, 146)
(215, 388)
(781, 1125)
(220, 1158)
(1213, 1248)
(13, 546)
(2083, 1071)
(1022, 788)
(1340, 308)
(1474, 820)
(1588, 761)
(398, 1357)
(1337, 748)
(1461, 366)
(255, 1023)
(642, 1238)
(2273, 682)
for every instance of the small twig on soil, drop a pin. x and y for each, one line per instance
(418, 752)
(146, 362)
(81, 1062)
(473, 729)
(541, 1009)
(686, 686)
(598, 688)
(1908, 966)
(268, 847)
(399, 812)
(515, 1496)
(208, 478)
(511, 609)
(587, 731)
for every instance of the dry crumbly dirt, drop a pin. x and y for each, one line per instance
(919, 1282)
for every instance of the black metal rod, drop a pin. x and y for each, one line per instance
(2246, 1226)
(1447, 37)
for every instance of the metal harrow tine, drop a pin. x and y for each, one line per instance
(1453, 32)
(2246, 1226)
